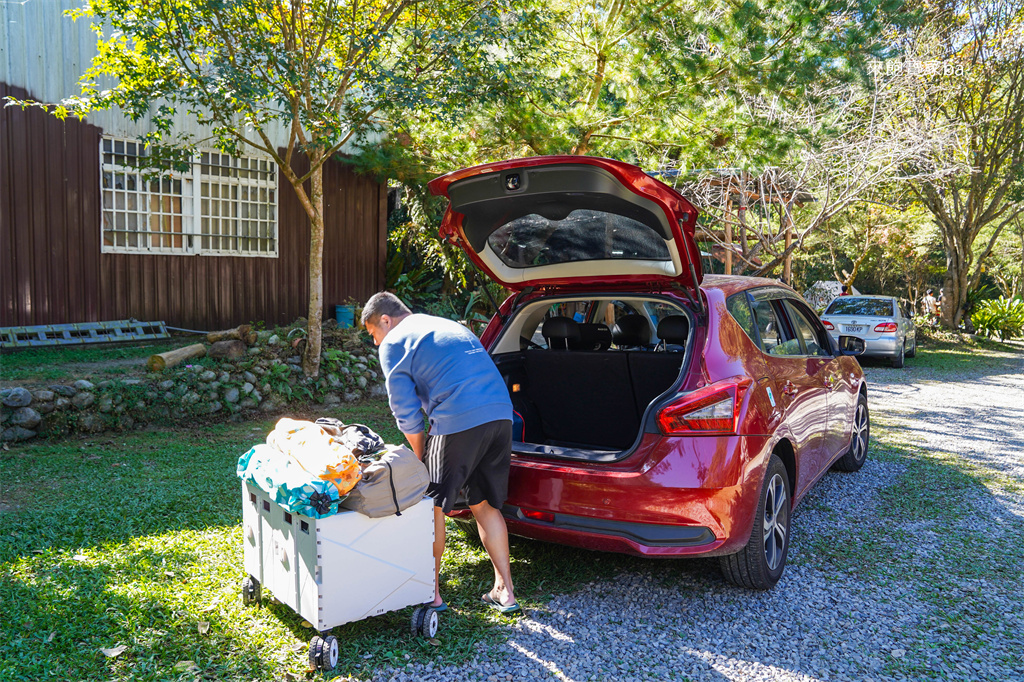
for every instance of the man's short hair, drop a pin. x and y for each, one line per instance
(929, 291)
(383, 303)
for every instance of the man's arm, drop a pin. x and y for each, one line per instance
(417, 441)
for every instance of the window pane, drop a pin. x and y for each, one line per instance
(767, 326)
(805, 329)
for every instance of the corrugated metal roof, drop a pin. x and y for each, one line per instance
(46, 52)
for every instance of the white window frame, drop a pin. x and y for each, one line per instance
(204, 231)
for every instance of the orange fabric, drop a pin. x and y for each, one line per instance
(317, 452)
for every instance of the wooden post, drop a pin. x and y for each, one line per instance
(728, 228)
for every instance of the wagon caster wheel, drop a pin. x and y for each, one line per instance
(323, 653)
(251, 592)
(424, 622)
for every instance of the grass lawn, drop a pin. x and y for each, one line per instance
(135, 540)
(69, 363)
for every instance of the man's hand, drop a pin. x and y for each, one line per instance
(418, 442)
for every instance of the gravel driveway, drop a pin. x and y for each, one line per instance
(932, 590)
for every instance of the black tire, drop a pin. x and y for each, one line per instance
(759, 565)
(470, 531)
(323, 653)
(913, 348)
(897, 361)
(251, 591)
(425, 622)
(857, 454)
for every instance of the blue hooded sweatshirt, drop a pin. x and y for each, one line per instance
(439, 366)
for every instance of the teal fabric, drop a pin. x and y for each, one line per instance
(287, 483)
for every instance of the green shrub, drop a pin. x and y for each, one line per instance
(1002, 316)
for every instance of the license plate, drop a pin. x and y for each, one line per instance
(853, 329)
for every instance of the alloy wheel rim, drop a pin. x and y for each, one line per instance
(776, 522)
(860, 433)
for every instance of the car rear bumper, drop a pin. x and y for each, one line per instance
(690, 496)
(883, 346)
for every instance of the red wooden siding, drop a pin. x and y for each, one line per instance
(52, 271)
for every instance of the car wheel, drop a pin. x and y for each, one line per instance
(760, 563)
(858, 452)
(913, 348)
(897, 361)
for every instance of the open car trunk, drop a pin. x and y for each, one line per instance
(587, 405)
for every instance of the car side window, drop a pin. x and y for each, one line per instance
(739, 307)
(772, 335)
(806, 330)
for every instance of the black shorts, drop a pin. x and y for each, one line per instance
(477, 459)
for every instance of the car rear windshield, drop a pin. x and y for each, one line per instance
(583, 235)
(875, 307)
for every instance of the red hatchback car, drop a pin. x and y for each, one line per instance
(658, 411)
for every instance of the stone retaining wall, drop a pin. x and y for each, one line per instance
(265, 378)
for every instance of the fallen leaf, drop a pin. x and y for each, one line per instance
(115, 652)
(212, 606)
(6, 448)
(185, 666)
(80, 557)
(306, 624)
(49, 638)
(169, 574)
(434, 642)
(180, 614)
(37, 551)
(291, 677)
(203, 627)
(299, 646)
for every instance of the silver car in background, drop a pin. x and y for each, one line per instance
(885, 325)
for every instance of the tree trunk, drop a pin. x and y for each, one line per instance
(955, 286)
(161, 361)
(314, 329)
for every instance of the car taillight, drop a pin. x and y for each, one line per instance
(538, 515)
(886, 327)
(711, 410)
(828, 325)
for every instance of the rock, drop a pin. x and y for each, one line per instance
(17, 434)
(106, 404)
(151, 395)
(169, 396)
(212, 395)
(378, 391)
(247, 388)
(334, 381)
(269, 405)
(249, 376)
(66, 391)
(191, 398)
(26, 418)
(294, 360)
(83, 400)
(214, 385)
(91, 423)
(119, 409)
(231, 396)
(263, 337)
(352, 396)
(332, 400)
(227, 367)
(214, 406)
(44, 396)
(224, 377)
(373, 374)
(257, 396)
(83, 385)
(4, 392)
(5, 415)
(362, 382)
(361, 367)
(296, 369)
(127, 423)
(166, 385)
(103, 385)
(274, 340)
(247, 403)
(254, 350)
(61, 403)
(118, 398)
(131, 382)
(346, 370)
(45, 408)
(208, 376)
(18, 397)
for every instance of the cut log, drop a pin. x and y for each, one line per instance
(161, 361)
(240, 332)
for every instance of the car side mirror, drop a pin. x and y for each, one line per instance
(851, 345)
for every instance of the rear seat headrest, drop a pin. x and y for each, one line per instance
(631, 330)
(561, 332)
(674, 329)
(594, 337)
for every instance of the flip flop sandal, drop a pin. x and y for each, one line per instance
(440, 608)
(505, 610)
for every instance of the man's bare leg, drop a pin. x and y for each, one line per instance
(494, 535)
(439, 538)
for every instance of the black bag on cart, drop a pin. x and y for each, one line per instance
(389, 485)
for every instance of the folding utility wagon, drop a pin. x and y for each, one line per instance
(340, 568)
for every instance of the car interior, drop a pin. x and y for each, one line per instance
(582, 372)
